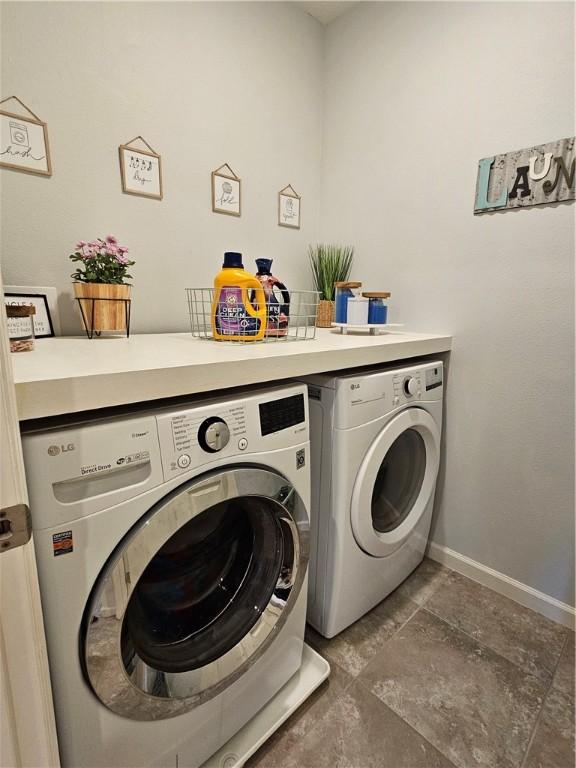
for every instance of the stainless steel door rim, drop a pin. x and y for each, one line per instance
(136, 689)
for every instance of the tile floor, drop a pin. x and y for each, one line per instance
(443, 674)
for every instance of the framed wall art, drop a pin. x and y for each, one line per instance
(46, 319)
(289, 208)
(226, 191)
(24, 140)
(141, 170)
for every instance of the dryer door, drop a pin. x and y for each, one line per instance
(200, 586)
(395, 482)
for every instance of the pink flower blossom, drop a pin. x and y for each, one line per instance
(100, 252)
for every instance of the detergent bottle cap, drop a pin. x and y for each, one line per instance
(232, 260)
(264, 266)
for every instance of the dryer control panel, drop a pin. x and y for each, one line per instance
(366, 396)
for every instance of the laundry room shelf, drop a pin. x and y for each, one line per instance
(248, 740)
(71, 374)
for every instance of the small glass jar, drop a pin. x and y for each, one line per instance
(342, 293)
(357, 311)
(21, 327)
(377, 307)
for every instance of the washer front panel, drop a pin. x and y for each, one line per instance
(381, 543)
(159, 676)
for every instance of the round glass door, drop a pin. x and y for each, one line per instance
(198, 589)
(399, 481)
(395, 482)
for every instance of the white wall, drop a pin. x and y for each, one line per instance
(416, 93)
(205, 83)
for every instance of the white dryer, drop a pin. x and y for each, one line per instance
(375, 441)
(172, 548)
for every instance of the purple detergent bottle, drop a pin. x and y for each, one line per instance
(277, 299)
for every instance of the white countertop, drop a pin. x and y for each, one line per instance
(71, 374)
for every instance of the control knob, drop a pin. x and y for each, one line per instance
(410, 386)
(213, 434)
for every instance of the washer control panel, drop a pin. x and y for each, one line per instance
(187, 436)
(200, 434)
(213, 434)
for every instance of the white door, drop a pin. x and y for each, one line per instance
(27, 727)
(395, 482)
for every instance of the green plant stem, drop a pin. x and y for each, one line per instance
(330, 264)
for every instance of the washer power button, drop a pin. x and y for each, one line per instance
(184, 461)
(242, 444)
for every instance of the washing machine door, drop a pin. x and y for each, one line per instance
(395, 482)
(199, 589)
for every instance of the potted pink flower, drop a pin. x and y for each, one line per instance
(100, 284)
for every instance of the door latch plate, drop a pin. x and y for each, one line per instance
(15, 526)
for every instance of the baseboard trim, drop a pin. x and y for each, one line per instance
(527, 596)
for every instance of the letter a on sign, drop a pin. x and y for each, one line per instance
(521, 184)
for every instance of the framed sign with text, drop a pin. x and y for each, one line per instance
(141, 170)
(226, 191)
(46, 322)
(24, 140)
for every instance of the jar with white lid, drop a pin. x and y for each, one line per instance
(20, 327)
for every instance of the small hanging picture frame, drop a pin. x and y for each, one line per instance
(141, 170)
(24, 140)
(289, 208)
(226, 191)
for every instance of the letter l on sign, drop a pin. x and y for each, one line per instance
(482, 202)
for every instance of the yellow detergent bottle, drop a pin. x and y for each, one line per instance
(234, 316)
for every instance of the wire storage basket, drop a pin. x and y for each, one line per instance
(289, 316)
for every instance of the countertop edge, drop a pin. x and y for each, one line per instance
(58, 396)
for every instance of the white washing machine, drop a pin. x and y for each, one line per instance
(375, 441)
(172, 548)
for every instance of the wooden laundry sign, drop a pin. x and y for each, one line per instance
(533, 176)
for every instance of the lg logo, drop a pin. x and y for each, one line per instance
(54, 450)
(354, 386)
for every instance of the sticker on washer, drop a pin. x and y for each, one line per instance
(300, 458)
(62, 543)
